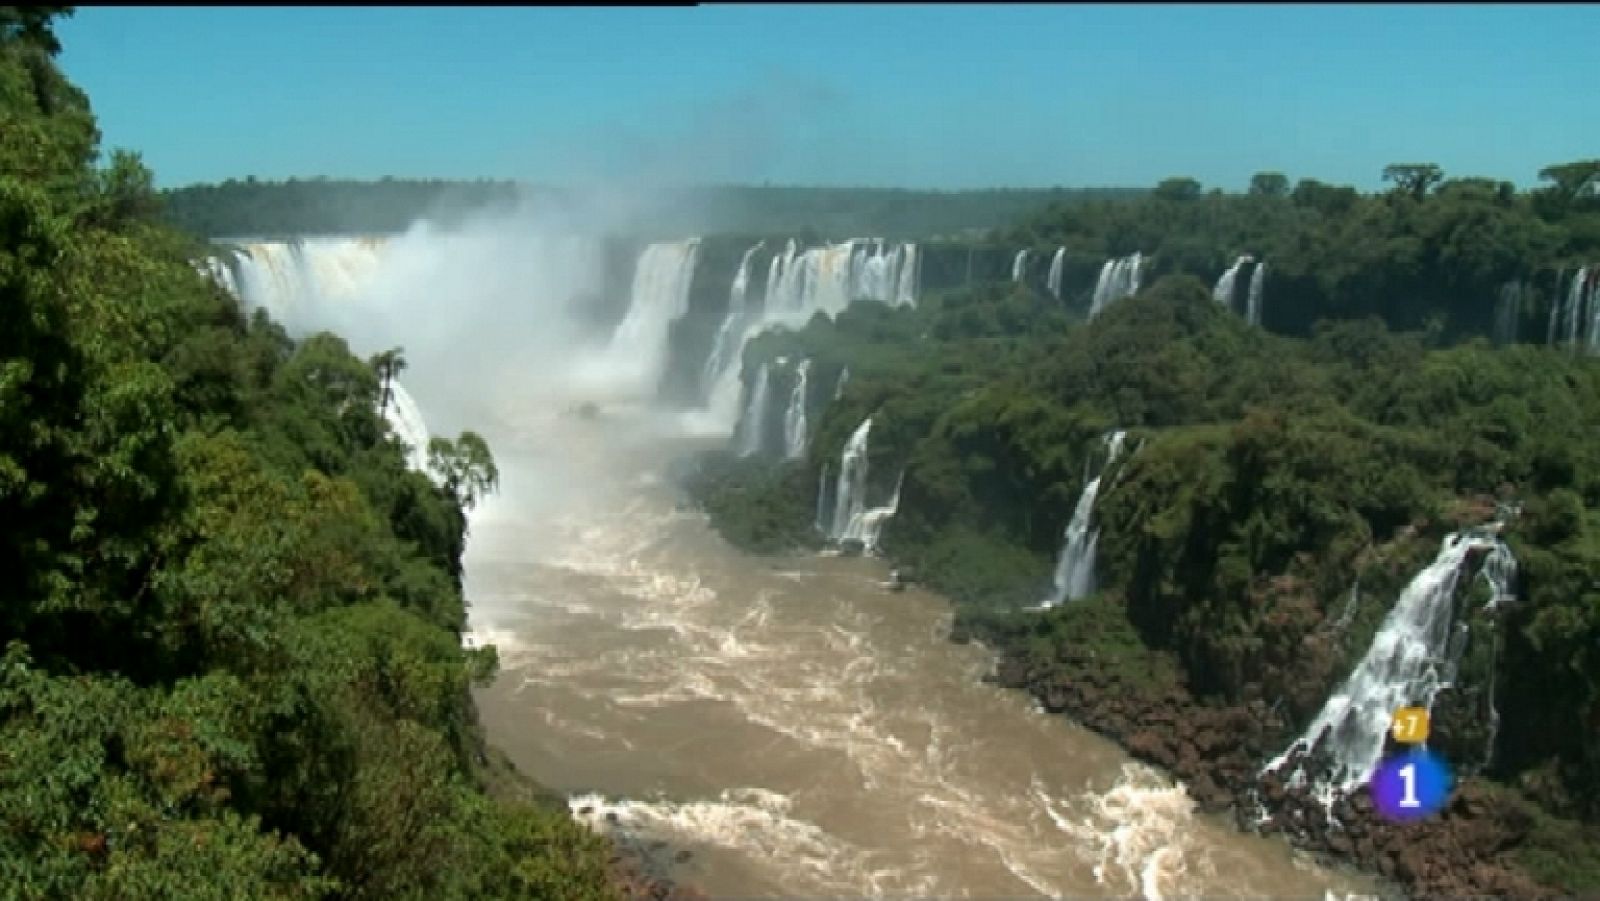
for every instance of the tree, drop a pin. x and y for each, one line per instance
(32, 24)
(1572, 178)
(1413, 178)
(1178, 189)
(388, 365)
(466, 468)
(1269, 184)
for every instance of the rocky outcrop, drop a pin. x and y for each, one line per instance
(1218, 752)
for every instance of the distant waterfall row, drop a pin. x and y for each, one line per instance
(1226, 290)
(800, 284)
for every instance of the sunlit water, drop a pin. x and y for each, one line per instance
(798, 727)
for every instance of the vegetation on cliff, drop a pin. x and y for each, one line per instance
(230, 651)
(1280, 490)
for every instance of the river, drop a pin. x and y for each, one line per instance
(796, 726)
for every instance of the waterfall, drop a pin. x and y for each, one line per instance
(660, 295)
(1074, 578)
(220, 271)
(752, 426)
(405, 419)
(1052, 282)
(823, 520)
(801, 284)
(850, 493)
(733, 325)
(1555, 308)
(873, 519)
(1508, 313)
(1591, 287)
(295, 281)
(1019, 265)
(1118, 279)
(1574, 305)
(1412, 657)
(794, 418)
(1224, 290)
(1258, 281)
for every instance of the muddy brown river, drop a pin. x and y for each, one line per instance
(797, 727)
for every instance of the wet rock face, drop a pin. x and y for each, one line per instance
(1218, 751)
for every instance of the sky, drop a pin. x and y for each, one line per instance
(847, 95)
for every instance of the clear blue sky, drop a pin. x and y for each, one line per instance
(936, 96)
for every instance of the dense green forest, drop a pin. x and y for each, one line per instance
(252, 208)
(231, 618)
(1270, 474)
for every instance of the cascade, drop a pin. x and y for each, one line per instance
(660, 295)
(794, 418)
(801, 284)
(823, 519)
(1508, 313)
(1224, 290)
(872, 520)
(1574, 306)
(1019, 265)
(838, 388)
(1118, 279)
(1074, 577)
(732, 328)
(405, 419)
(1258, 281)
(1555, 308)
(1412, 657)
(1052, 281)
(293, 281)
(850, 493)
(752, 426)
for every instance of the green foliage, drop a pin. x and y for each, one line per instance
(232, 618)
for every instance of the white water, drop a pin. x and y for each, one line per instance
(729, 341)
(1508, 313)
(1258, 281)
(1224, 290)
(801, 284)
(405, 418)
(850, 493)
(660, 295)
(1119, 278)
(752, 430)
(1052, 281)
(1413, 656)
(1019, 265)
(795, 432)
(302, 283)
(874, 518)
(1074, 577)
(838, 388)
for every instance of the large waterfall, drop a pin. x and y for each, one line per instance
(1019, 265)
(1412, 657)
(1074, 577)
(1052, 281)
(292, 280)
(295, 281)
(752, 428)
(660, 295)
(852, 519)
(1258, 280)
(794, 418)
(838, 388)
(1119, 278)
(801, 284)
